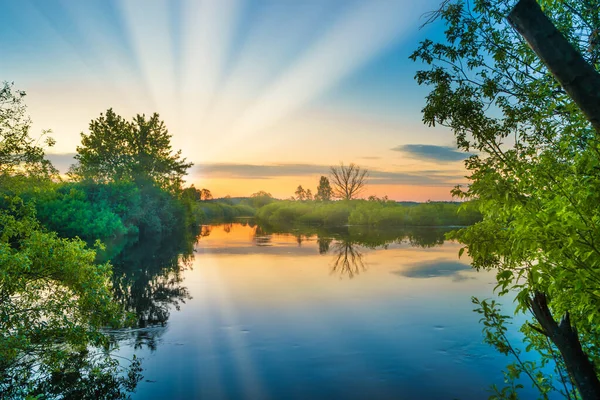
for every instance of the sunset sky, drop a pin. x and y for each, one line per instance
(259, 94)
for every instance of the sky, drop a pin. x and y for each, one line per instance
(258, 94)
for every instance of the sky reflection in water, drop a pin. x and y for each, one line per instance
(296, 316)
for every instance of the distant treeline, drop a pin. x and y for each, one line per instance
(339, 213)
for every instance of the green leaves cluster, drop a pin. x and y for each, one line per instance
(54, 301)
(138, 151)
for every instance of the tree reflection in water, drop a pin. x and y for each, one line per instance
(148, 282)
(346, 243)
(348, 261)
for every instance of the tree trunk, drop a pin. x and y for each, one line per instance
(564, 336)
(579, 79)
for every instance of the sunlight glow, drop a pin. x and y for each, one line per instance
(357, 37)
(150, 32)
(208, 28)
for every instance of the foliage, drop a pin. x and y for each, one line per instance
(54, 301)
(324, 191)
(138, 151)
(348, 180)
(260, 199)
(495, 334)
(219, 211)
(92, 211)
(536, 177)
(361, 212)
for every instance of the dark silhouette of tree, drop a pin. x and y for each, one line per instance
(348, 180)
(324, 191)
(308, 194)
(300, 193)
(205, 194)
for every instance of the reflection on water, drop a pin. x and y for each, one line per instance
(348, 260)
(263, 319)
(148, 282)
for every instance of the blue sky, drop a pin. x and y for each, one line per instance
(239, 83)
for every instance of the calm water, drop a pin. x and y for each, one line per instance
(351, 314)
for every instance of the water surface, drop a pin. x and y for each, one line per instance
(349, 314)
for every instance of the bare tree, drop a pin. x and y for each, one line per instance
(348, 181)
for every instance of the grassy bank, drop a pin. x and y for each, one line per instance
(368, 213)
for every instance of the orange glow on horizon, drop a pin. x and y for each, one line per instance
(284, 188)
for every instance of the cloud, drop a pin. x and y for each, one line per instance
(376, 177)
(62, 162)
(253, 171)
(434, 269)
(432, 152)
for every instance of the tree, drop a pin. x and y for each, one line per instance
(54, 302)
(300, 193)
(192, 193)
(205, 194)
(19, 152)
(324, 191)
(537, 177)
(261, 198)
(138, 151)
(348, 181)
(308, 194)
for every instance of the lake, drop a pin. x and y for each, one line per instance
(350, 314)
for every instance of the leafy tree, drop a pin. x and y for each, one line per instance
(260, 199)
(138, 151)
(324, 191)
(19, 152)
(300, 193)
(536, 178)
(192, 193)
(54, 301)
(348, 180)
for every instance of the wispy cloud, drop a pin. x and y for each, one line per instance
(432, 152)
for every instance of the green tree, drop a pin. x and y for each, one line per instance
(324, 191)
(348, 180)
(192, 193)
(138, 151)
(536, 178)
(54, 301)
(260, 199)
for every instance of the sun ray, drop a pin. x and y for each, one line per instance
(149, 29)
(359, 35)
(208, 27)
